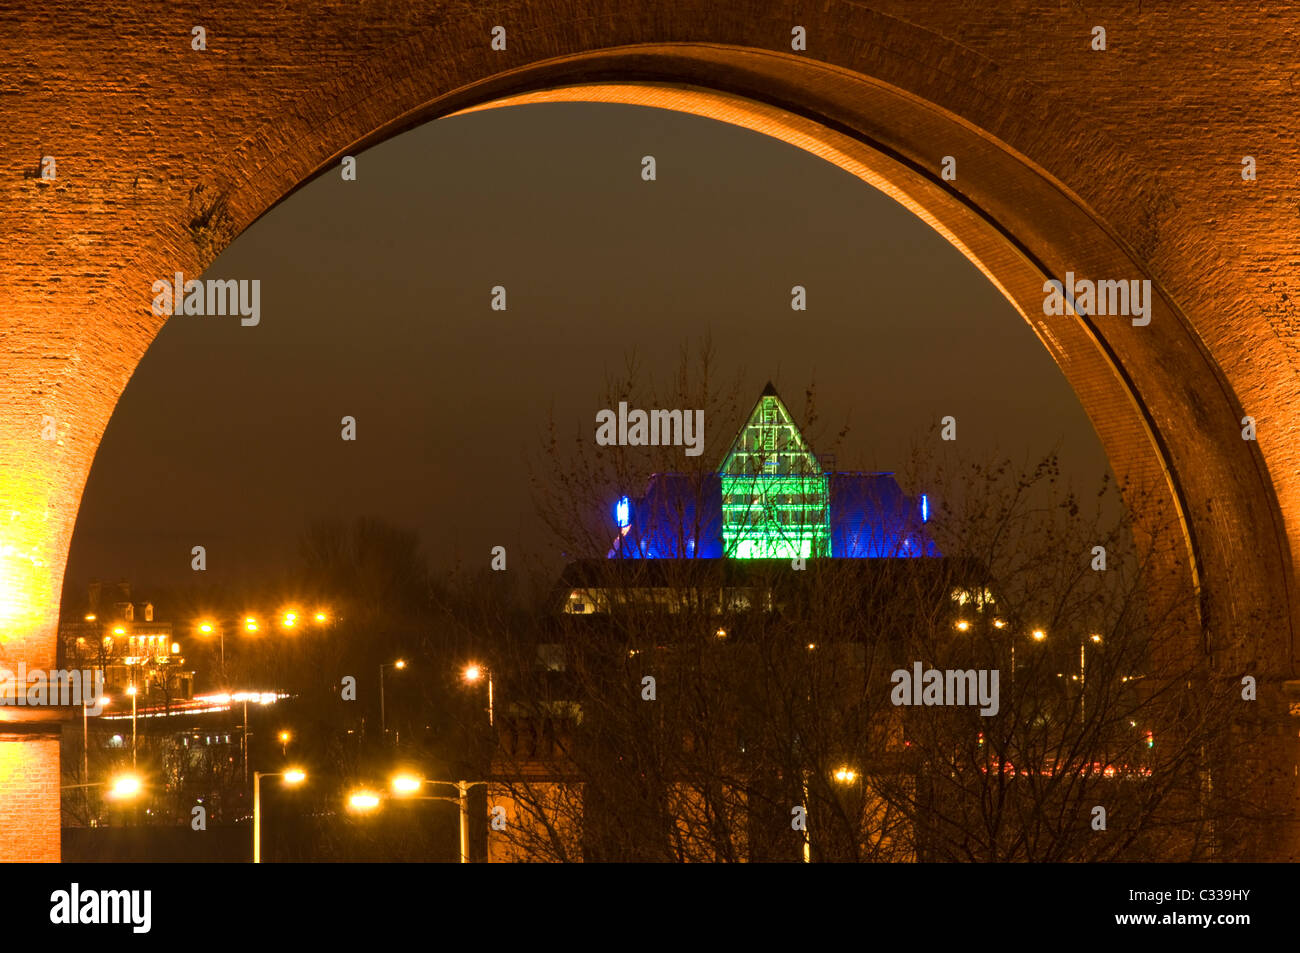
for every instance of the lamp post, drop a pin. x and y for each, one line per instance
(85, 735)
(124, 787)
(1038, 635)
(291, 777)
(405, 786)
(130, 690)
(807, 835)
(1083, 659)
(383, 724)
(473, 673)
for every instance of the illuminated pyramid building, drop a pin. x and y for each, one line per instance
(771, 498)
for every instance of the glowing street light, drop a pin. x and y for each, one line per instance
(1038, 635)
(250, 624)
(291, 777)
(290, 620)
(845, 775)
(321, 617)
(473, 672)
(363, 801)
(405, 784)
(124, 787)
(90, 617)
(963, 626)
(205, 628)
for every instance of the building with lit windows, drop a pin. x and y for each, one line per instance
(121, 638)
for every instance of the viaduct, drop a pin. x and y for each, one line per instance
(1117, 140)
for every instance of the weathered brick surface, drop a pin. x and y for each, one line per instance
(1069, 159)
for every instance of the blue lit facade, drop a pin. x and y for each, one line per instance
(681, 516)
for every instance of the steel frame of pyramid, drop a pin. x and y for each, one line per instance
(775, 497)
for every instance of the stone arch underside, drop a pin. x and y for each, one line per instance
(166, 154)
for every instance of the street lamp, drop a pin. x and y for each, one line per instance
(124, 787)
(473, 672)
(363, 801)
(845, 775)
(130, 690)
(206, 627)
(1038, 635)
(383, 724)
(292, 777)
(405, 785)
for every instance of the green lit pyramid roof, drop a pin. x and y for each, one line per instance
(775, 498)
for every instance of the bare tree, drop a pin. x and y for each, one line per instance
(693, 709)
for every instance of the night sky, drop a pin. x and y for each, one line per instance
(375, 303)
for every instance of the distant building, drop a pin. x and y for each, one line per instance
(772, 498)
(119, 637)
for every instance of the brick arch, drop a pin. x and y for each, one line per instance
(166, 154)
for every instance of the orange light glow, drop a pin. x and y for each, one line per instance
(405, 784)
(362, 801)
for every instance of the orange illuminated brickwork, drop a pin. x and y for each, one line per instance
(29, 798)
(1063, 164)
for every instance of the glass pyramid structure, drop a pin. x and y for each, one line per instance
(775, 497)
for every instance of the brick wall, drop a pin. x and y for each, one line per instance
(29, 797)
